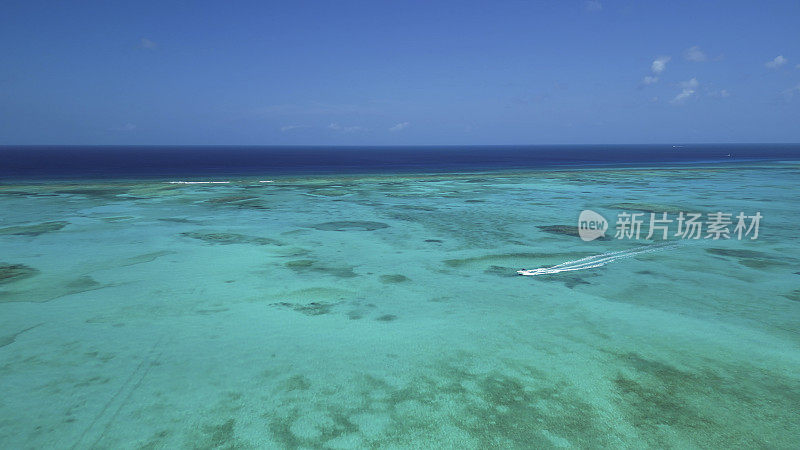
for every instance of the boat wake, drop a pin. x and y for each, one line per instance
(591, 262)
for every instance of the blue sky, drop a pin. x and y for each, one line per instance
(399, 73)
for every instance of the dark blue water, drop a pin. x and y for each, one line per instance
(202, 161)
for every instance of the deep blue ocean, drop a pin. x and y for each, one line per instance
(160, 161)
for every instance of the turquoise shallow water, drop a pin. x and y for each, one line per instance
(386, 311)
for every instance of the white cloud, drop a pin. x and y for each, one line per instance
(592, 6)
(695, 54)
(688, 89)
(400, 126)
(659, 64)
(649, 80)
(127, 127)
(776, 63)
(148, 44)
(791, 92)
(336, 127)
(684, 94)
(286, 128)
(691, 84)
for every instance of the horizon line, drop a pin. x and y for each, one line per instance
(682, 144)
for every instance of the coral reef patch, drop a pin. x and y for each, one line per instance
(350, 225)
(33, 230)
(230, 238)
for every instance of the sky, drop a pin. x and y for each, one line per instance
(399, 72)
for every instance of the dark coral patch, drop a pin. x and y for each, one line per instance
(416, 208)
(297, 383)
(47, 288)
(11, 338)
(737, 253)
(570, 280)
(793, 296)
(501, 271)
(565, 230)
(33, 230)
(221, 435)
(761, 263)
(230, 238)
(350, 225)
(82, 284)
(238, 201)
(394, 278)
(176, 220)
(300, 264)
(309, 309)
(310, 266)
(15, 272)
(650, 208)
(655, 395)
(231, 199)
(749, 258)
(16, 193)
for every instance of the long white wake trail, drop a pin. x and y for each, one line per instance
(600, 260)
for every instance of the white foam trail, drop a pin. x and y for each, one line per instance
(591, 262)
(199, 182)
(267, 181)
